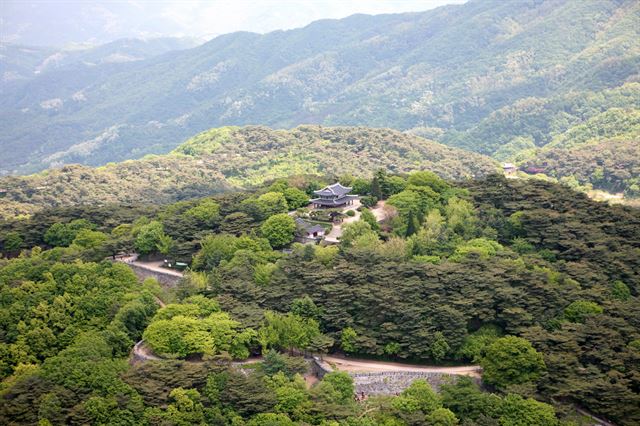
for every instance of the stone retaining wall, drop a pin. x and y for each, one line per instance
(393, 383)
(166, 280)
(320, 367)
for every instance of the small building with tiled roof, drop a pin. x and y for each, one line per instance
(308, 231)
(334, 195)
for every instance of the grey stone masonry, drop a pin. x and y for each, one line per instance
(165, 279)
(393, 383)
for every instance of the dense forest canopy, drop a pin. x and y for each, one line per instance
(163, 264)
(232, 157)
(532, 280)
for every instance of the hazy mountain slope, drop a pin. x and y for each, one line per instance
(19, 62)
(448, 68)
(612, 165)
(221, 158)
(543, 119)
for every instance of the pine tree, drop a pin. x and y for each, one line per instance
(375, 188)
(412, 224)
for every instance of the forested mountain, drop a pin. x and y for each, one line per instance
(18, 62)
(224, 158)
(533, 281)
(460, 73)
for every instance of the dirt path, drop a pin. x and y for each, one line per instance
(379, 211)
(353, 365)
(141, 353)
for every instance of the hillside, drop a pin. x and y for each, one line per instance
(18, 62)
(450, 69)
(533, 282)
(220, 159)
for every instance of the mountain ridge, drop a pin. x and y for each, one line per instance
(225, 158)
(446, 68)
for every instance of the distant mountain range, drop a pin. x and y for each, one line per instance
(479, 76)
(20, 63)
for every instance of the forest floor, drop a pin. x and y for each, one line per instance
(354, 365)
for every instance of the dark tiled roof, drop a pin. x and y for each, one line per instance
(333, 190)
(308, 227)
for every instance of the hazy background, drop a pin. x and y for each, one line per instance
(63, 23)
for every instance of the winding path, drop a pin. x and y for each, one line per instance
(353, 365)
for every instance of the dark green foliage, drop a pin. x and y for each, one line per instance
(445, 293)
(274, 362)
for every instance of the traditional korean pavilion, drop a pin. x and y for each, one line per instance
(334, 195)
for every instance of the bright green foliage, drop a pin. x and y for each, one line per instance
(88, 239)
(295, 198)
(342, 383)
(429, 179)
(415, 199)
(439, 347)
(348, 339)
(442, 417)
(182, 335)
(354, 230)
(271, 419)
(461, 217)
(288, 331)
(279, 229)
(62, 235)
(394, 184)
(511, 360)
(392, 348)
(150, 238)
(262, 273)
(214, 249)
(207, 212)
(367, 216)
(468, 402)
(185, 409)
(480, 247)
(272, 203)
(475, 343)
(580, 310)
(419, 396)
(326, 255)
(222, 247)
(517, 411)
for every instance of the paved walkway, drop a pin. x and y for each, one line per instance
(353, 365)
(155, 266)
(336, 232)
